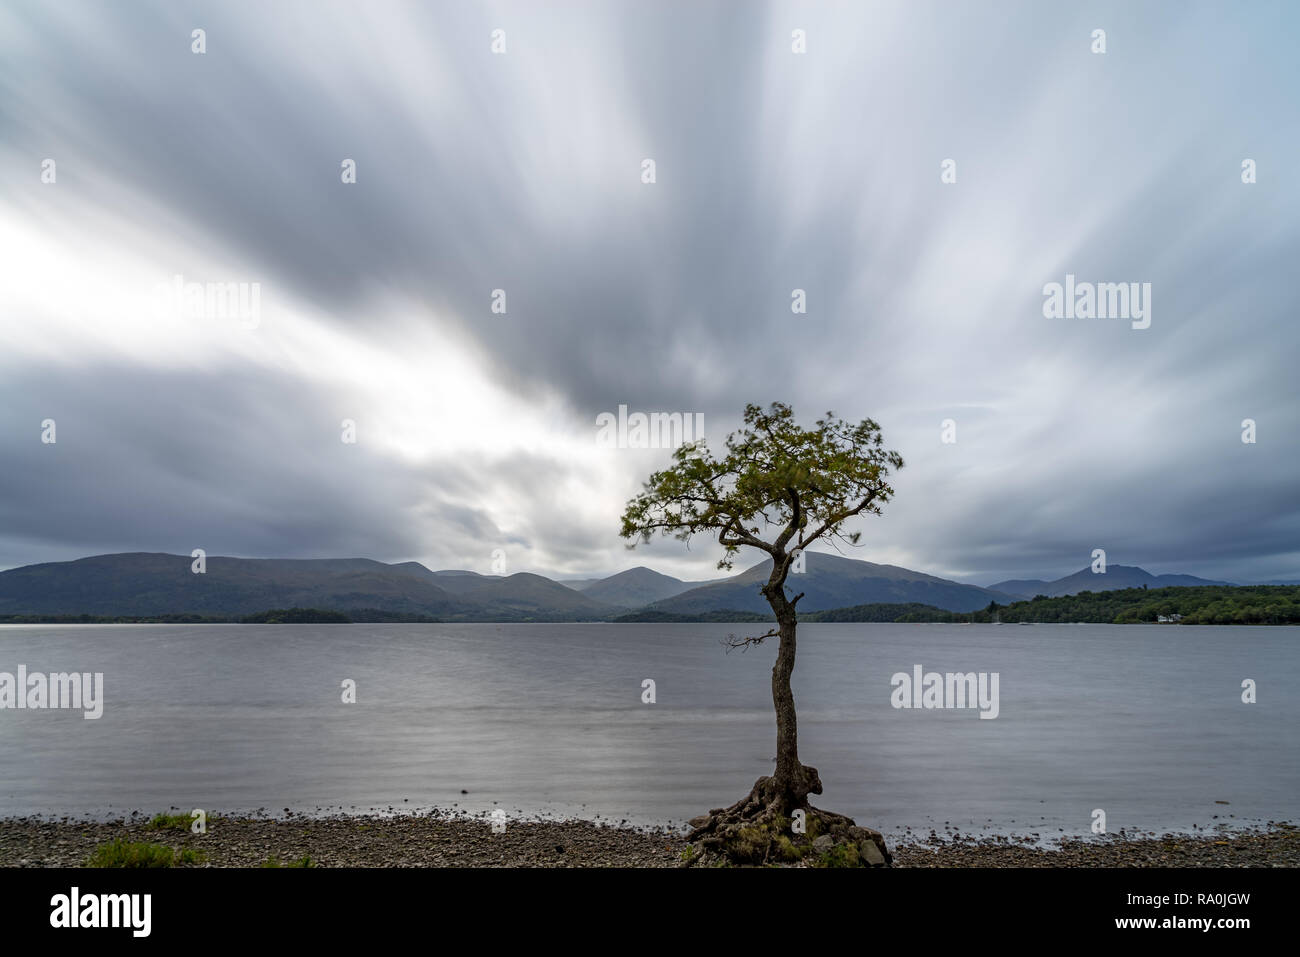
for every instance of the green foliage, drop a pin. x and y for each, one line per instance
(805, 482)
(1203, 605)
(305, 861)
(169, 822)
(122, 853)
(749, 845)
(191, 855)
(784, 849)
(767, 843)
(841, 855)
(1200, 605)
(881, 611)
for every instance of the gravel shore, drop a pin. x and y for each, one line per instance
(352, 841)
(1275, 845)
(449, 841)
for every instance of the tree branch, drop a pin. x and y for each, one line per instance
(871, 497)
(731, 642)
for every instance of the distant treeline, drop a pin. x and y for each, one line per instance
(651, 615)
(296, 616)
(882, 611)
(1203, 605)
(320, 616)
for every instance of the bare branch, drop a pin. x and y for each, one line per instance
(731, 642)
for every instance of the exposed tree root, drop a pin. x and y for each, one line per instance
(775, 824)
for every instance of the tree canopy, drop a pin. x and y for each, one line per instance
(802, 484)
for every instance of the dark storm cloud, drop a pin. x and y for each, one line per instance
(169, 461)
(774, 172)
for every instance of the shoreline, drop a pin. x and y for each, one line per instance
(451, 840)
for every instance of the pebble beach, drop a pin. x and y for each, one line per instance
(449, 840)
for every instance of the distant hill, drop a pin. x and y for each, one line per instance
(146, 583)
(831, 581)
(149, 585)
(634, 588)
(1115, 577)
(522, 595)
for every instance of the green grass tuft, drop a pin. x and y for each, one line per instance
(121, 853)
(169, 822)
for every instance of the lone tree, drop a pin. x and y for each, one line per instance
(779, 488)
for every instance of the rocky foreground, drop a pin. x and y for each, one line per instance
(1277, 845)
(433, 841)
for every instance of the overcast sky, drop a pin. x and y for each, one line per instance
(523, 171)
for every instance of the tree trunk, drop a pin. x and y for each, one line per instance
(759, 825)
(787, 725)
(792, 781)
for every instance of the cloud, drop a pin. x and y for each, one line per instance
(521, 172)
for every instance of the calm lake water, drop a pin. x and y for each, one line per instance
(1145, 722)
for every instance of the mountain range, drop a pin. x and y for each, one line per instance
(145, 584)
(1115, 576)
(831, 581)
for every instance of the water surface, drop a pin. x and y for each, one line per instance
(1145, 722)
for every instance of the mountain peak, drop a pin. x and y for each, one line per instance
(1085, 579)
